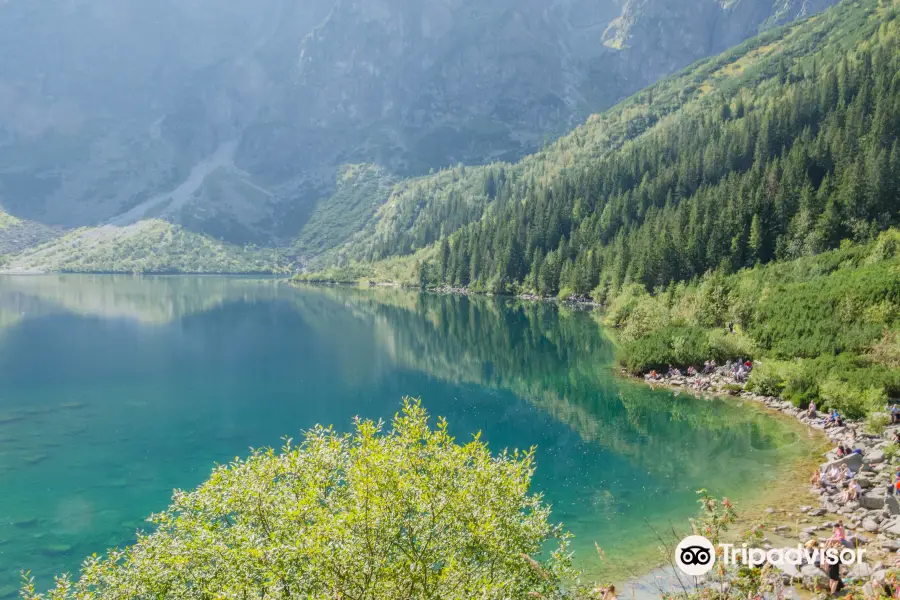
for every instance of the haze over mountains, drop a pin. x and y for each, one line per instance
(236, 119)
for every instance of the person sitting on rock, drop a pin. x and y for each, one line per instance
(838, 534)
(816, 479)
(848, 450)
(855, 491)
(844, 498)
(846, 473)
(811, 410)
(833, 476)
(851, 492)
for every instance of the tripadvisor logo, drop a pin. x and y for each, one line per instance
(695, 555)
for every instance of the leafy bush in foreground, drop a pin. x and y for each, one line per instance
(403, 514)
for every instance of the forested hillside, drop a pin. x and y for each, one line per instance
(776, 150)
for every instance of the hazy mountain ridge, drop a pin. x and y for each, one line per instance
(302, 89)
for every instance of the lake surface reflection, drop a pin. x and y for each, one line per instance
(115, 390)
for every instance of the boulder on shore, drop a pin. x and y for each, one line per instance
(873, 500)
(874, 457)
(853, 461)
(892, 504)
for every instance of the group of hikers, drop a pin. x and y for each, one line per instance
(832, 419)
(843, 478)
(739, 370)
(838, 478)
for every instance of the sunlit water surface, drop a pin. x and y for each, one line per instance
(116, 390)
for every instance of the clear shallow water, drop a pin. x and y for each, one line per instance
(115, 390)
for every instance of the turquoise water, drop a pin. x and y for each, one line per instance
(116, 390)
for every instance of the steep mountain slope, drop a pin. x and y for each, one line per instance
(777, 149)
(16, 234)
(98, 115)
(105, 124)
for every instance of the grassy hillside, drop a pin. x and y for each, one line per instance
(360, 190)
(151, 246)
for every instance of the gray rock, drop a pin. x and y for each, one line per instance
(817, 512)
(789, 572)
(870, 525)
(854, 462)
(892, 504)
(812, 576)
(874, 457)
(860, 571)
(891, 527)
(873, 500)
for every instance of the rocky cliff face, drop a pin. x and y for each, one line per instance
(656, 38)
(114, 112)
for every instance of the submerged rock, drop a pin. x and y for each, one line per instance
(57, 550)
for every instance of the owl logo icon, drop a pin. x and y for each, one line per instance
(695, 555)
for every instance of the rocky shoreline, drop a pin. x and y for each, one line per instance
(872, 521)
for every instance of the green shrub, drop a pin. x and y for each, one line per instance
(851, 401)
(891, 451)
(624, 303)
(731, 344)
(800, 387)
(326, 518)
(767, 379)
(877, 422)
(679, 346)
